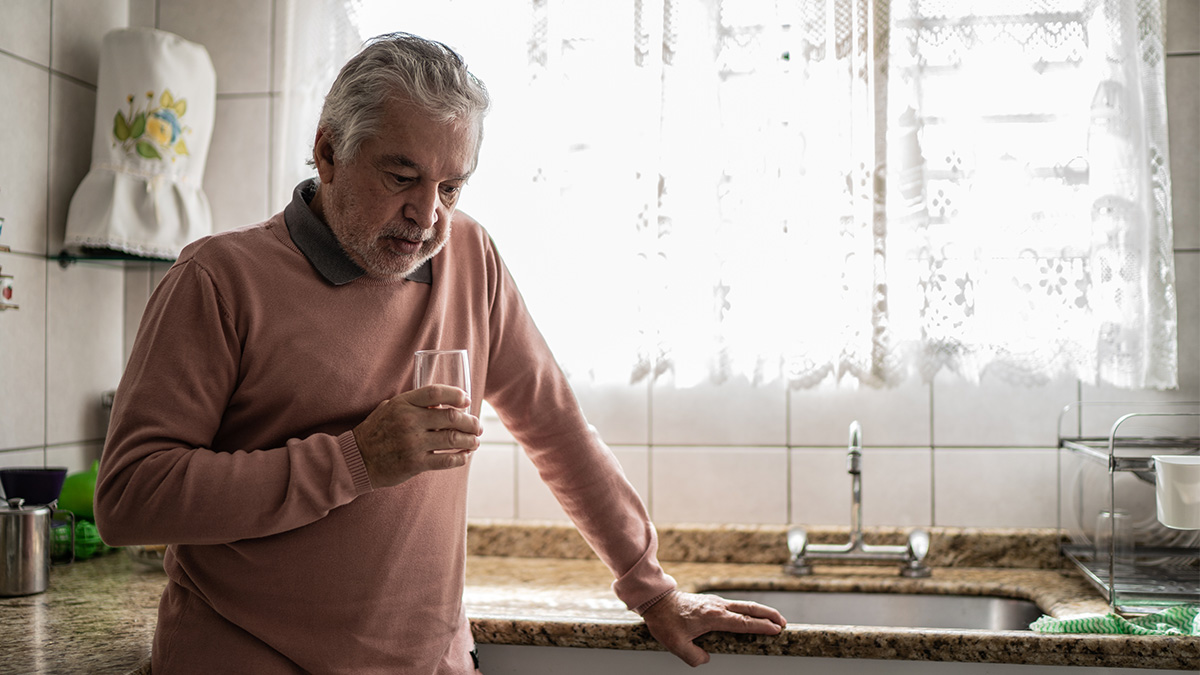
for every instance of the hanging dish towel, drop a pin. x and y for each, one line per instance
(155, 104)
(1180, 620)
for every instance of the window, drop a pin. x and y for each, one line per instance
(826, 190)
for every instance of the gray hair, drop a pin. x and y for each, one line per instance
(422, 72)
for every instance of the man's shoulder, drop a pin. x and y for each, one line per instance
(463, 222)
(467, 229)
(241, 244)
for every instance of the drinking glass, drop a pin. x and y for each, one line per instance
(1114, 536)
(443, 366)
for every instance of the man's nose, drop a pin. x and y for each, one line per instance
(422, 207)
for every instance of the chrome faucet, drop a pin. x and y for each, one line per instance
(910, 556)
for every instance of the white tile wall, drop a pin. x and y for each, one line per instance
(942, 453)
(996, 413)
(143, 13)
(85, 328)
(25, 31)
(735, 412)
(491, 492)
(23, 354)
(719, 485)
(72, 126)
(23, 174)
(235, 175)
(1187, 281)
(888, 417)
(65, 345)
(78, 28)
(1183, 72)
(236, 33)
(896, 485)
(990, 487)
(1183, 26)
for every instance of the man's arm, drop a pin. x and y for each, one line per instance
(162, 481)
(534, 400)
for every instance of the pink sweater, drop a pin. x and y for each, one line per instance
(230, 440)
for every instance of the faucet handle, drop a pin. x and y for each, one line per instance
(918, 544)
(918, 547)
(797, 541)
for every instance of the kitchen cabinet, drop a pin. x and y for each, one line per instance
(521, 660)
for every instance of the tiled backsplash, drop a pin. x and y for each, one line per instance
(944, 453)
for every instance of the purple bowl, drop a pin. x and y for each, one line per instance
(36, 485)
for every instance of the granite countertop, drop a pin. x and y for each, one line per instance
(539, 585)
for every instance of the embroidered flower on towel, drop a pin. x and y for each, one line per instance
(153, 133)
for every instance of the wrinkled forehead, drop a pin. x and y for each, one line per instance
(414, 138)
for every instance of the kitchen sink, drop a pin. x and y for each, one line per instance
(904, 610)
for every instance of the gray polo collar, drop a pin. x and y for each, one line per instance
(316, 241)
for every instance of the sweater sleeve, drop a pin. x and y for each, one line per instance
(531, 394)
(161, 481)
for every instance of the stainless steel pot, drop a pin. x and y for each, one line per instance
(25, 545)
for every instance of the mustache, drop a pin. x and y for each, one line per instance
(409, 232)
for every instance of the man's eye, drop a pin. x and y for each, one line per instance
(402, 180)
(451, 189)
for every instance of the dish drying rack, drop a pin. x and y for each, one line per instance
(1117, 472)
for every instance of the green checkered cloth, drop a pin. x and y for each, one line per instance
(1179, 620)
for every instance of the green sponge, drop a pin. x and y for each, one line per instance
(87, 541)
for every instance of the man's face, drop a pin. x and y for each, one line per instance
(390, 207)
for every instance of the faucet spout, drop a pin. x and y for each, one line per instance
(911, 557)
(854, 450)
(854, 467)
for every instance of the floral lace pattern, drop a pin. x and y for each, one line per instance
(831, 190)
(1039, 233)
(852, 189)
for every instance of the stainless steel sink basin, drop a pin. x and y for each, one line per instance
(904, 610)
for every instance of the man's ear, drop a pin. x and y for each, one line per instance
(323, 155)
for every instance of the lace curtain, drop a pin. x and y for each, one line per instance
(318, 36)
(826, 191)
(1028, 206)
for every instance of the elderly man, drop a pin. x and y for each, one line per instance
(314, 505)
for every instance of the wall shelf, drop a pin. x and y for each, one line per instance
(67, 258)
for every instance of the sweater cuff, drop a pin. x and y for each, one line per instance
(645, 583)
(354, 462)
(645, 606)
